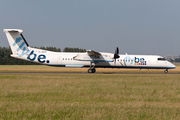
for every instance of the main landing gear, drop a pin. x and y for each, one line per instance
(92, 70)
(166, 71)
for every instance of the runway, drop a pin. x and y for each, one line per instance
(75, 73)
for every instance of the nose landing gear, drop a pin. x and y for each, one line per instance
(166, 71)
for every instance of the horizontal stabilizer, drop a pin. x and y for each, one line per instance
(13, 30)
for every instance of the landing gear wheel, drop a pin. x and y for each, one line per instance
(91, 70)
(166, 71)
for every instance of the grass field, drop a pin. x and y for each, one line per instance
(88, 96)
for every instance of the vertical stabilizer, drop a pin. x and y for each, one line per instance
(17, 43)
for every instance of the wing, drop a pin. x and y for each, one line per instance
(87, 56)
(93, 56)
(93, 53)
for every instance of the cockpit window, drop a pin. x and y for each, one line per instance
(161, 59)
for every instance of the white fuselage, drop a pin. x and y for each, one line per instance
(65, 59)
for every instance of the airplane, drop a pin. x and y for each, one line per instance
(91, 59)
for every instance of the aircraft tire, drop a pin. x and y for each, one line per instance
(90, 70)
(166, 71)
(93, 70)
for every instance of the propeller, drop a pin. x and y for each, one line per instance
(116, 55)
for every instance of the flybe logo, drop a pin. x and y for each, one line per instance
(24, 51)
(41, 58)
(32, 56)
(135, 60)
(139, 61)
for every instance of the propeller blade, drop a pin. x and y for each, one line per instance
(117, 51)
(116, 55)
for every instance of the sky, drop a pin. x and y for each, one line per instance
(150, 27)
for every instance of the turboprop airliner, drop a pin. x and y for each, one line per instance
(91, 59)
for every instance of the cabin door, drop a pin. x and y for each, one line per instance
(59, 60)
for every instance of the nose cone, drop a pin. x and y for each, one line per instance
(172, 66)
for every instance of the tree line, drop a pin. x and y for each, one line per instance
(68, 49)
(6, 59)
(176, 60)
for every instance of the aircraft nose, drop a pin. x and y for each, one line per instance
(172, 66)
